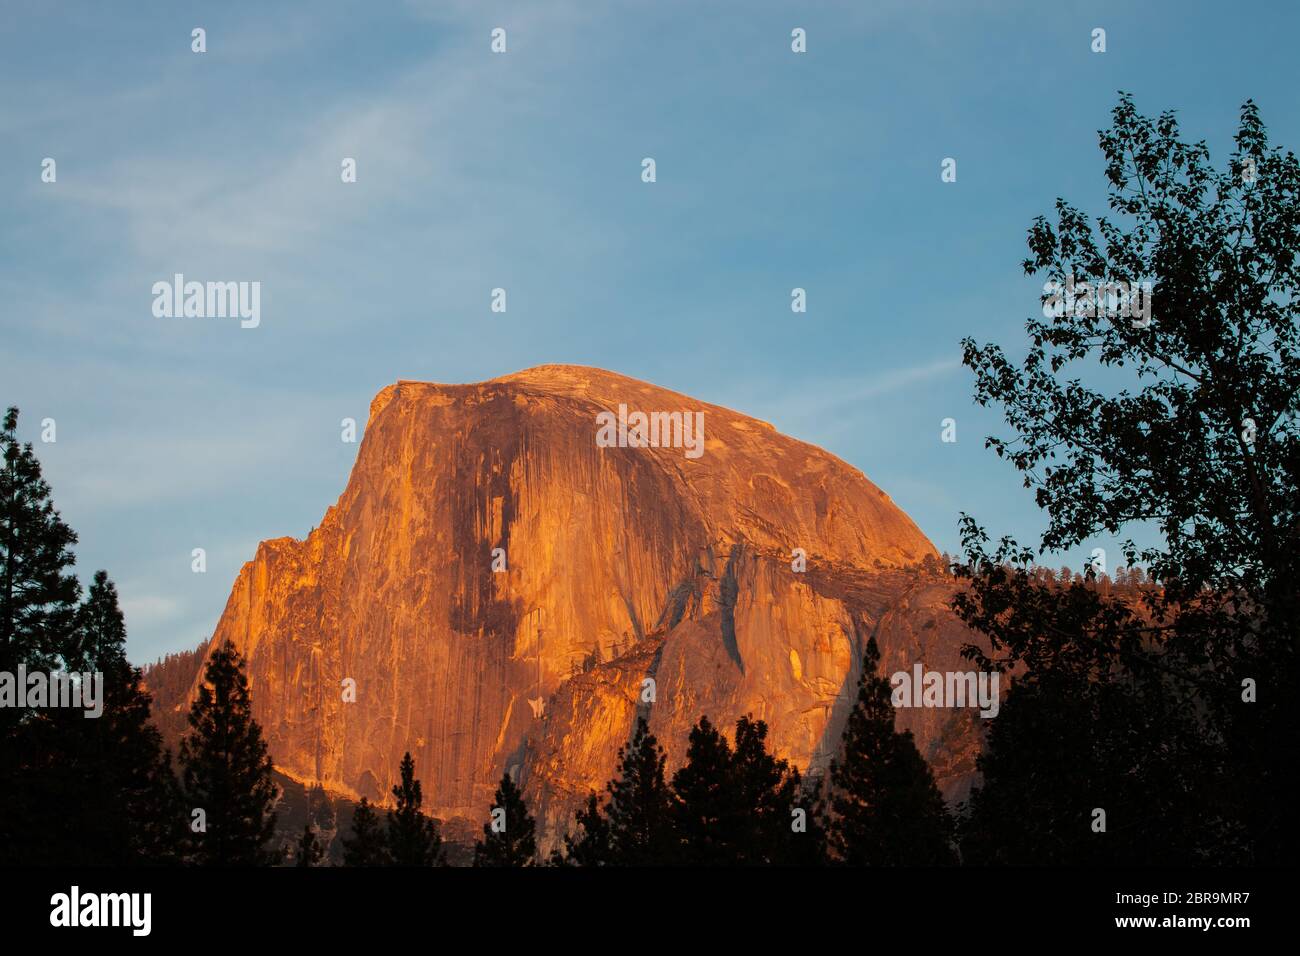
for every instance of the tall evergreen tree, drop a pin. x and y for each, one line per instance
(413, 837)
(366, 846)
(738, 807)
(589, 846)
(640, 805)
(38, 594)
(885, 807)
(308, 851)
(707, 817)
(226, 769)
(98, 641)
(74, 789)
(509, 838)
(634, 827)
(779, 825)
(122, 804)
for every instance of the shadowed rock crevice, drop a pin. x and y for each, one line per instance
(728, 589)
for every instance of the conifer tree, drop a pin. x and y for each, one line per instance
(98, 641)
(38, 594)
(706, 815)
(738, 807)
(777, 825)
(122, 803)
(640, 805)
(366, 846)
(74, 789)
(309, 851)
(413, 837)
(590, 845)
(634, 827)
(226, 770)
(509, 838)
(885, 807)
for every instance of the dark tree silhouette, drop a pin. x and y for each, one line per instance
(779, 825)
(366, 846)
(38, 594)
(638, 811)
(634, 827)
(589, 846)
(706, 816)
(509, 838)
(885, 809)
(738, 807)
(413, 837)
(226, 770)
(1167, 706)
(74, 789)
(120, 802)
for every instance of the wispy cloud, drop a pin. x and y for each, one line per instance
(816, 403)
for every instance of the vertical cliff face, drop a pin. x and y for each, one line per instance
(622, 565)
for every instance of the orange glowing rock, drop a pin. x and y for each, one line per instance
(507, 593)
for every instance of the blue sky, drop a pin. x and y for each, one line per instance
(522, 171)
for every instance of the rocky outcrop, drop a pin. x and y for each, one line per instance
(501, 588)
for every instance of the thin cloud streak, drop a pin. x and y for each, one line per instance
(813, 403)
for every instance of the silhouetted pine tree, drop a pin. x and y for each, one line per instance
(309, 851)
(634, 827)
(779, 826)
(122, 805)
(74, 789)
(413, 837)
(640, 805)
(884, 806)
(737, 807)
(226, 770)
(589, 846)
(38, 603)
(509, 838)
(38, 596)
(707, 816)
(366, 846)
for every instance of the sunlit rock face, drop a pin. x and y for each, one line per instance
(622, 566)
